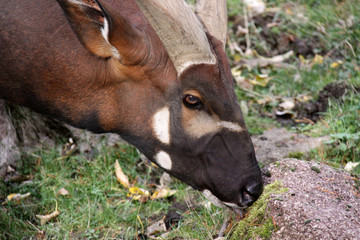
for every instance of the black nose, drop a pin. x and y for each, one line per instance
(250, 193)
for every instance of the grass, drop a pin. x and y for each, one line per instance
(97, 206)
(257, 223)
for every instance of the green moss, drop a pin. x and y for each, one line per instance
(257, 223)
(315, 169)
(297, 155)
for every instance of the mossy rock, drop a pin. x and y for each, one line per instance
(257, 223)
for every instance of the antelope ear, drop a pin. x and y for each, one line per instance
(91, 24)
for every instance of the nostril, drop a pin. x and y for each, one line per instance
(254, 189)
(247, 199)
(251, 193)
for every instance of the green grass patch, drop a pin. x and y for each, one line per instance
(257, 224)
(97, 206)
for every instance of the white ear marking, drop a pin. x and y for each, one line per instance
(164, 160)
(105, 30)
(105, 33)
(161, 125)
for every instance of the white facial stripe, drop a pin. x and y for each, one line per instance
(203, 124)
(161, 125)
(212, 198)
(231, 126)
(164, 160)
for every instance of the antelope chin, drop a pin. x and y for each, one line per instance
(217, 202)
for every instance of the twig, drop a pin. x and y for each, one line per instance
(352, 178)
(88, 225)
(263, 42)
(39, 231)
(247, 36)
(324, 190)
(351, 48)
(325, 123)
(355, 193)
(305, 120)
(224, 226)
(273, 220)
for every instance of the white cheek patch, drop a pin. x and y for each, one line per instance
(161, 125)
(164, 160)
(212, 198)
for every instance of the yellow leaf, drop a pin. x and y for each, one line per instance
(260, 80)
(288, 11)
(10, 196)
(302, 59)
(237, 57)
(264, 100)
(137, 193)
(336, 64)
(17, 196)
(318, 59)
(236, 71)
(121, 177)
(163, 193)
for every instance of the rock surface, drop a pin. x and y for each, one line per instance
(276, 144)
(321, 203)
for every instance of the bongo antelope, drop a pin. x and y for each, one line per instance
(152, 71)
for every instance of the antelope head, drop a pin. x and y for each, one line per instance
(177, 100)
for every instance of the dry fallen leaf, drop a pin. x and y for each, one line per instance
(63, 192)
(336, 64)
(16, 197)
(165, 180)
(287, 104)
(156, 227)
(318, 59)
(121, 177)
(261, 80)
(261, 61)
(163, 193)
(351, 166)
(137, 193)
(257, 6)
(45, 218)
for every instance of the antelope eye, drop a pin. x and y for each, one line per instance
(192, 101)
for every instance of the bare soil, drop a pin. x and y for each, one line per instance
(278, 143)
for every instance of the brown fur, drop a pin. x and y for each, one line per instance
(56, 61)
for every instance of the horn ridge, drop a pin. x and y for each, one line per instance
(180, 31)
(213, 15)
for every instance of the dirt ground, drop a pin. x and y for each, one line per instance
(277, 143)
(321, 203)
